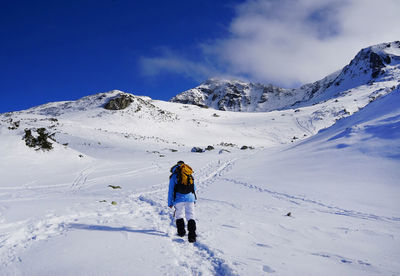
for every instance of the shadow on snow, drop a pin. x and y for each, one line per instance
(115, 229)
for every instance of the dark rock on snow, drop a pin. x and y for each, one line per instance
(41, 141)
(197, 149)
(122, 101)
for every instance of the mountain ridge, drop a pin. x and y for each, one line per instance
(291, 115)
(376, 63)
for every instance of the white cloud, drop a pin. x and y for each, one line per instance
(171, 62)
(289, 42)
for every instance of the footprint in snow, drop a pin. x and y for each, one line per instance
(179, 240)
(263, 245)
(228, 226)
(268, 269)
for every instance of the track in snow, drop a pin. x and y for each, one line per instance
(151, 204)
(327, 208)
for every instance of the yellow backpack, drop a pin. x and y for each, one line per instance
(184, 175)
(185, 180)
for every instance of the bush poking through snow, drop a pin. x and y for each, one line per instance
(14, 125)
(294, 139)
(41, 141)
(114, 187)
(227, 144)
(246, 147)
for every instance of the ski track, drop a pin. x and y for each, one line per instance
(328, 208)
(125, 174)
(197, 259)
(19, 236)
(22, 234)
(208, 256)
(341, 259)
(302, 127)
(81, 179)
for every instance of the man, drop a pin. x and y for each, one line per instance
(182, 195)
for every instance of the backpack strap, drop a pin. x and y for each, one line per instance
(176, 172)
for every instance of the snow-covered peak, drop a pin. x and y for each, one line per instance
(83, 104)
(233, 95)
(378, 63)
(91, 102)
(391, 49)
(371, 61)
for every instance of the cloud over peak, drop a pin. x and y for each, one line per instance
(289, 42)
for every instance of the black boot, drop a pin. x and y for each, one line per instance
(180, 225)
(192, 230)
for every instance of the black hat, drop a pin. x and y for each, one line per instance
(180, 162)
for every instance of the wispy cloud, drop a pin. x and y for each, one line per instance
(171, 62)
(289, 42)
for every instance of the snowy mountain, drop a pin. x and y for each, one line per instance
(235, 95)
(372, 66)
(309, 188)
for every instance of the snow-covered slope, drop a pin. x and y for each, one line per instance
(85, 124)
(333, 164)
(377, 65)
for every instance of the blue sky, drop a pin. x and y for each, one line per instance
(64, 50)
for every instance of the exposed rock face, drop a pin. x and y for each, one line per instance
(369, 65)
(233, 95)
(120, 102)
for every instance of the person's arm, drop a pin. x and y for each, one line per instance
(195, 189)
(171, 191)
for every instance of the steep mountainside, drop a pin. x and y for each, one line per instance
(376, 66)
(235, 95)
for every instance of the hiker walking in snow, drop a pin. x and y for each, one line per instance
(182, 195)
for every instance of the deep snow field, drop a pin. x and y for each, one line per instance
(341, 187)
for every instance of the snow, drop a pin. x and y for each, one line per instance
(392, 48)
(332, 164)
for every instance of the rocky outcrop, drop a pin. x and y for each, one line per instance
(120, 102)
(234, 95)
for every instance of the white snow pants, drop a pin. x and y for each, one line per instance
(184, 209)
